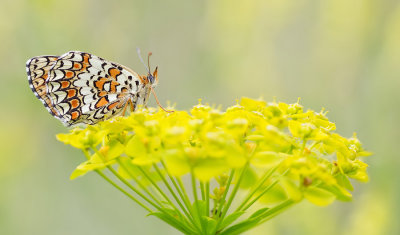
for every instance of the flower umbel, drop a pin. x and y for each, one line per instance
(212, 172)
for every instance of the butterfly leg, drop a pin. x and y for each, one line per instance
(158, 102)
(124, 111)
(132, 106)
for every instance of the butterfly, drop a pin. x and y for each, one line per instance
(81, 88)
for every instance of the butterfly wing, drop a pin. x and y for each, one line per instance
(84, 88)
(37, 69)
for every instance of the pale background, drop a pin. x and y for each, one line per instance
(339, 54)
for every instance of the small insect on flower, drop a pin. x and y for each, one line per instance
(79, 87)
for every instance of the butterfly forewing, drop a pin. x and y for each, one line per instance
(79, 87)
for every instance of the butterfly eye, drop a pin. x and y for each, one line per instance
(150, 78)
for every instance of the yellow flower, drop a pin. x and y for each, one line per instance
(275, 150)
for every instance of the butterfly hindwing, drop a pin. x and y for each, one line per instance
(37, 69)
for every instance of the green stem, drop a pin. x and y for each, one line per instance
(232, 196)
(162, 193)
(123, 191)
(173, 181)
(126, 182)
(85, 152)
(214, 210)
(264, 178)
(166, 213)
(262, 217)
(274, 211)
(203, 193)
(207, 198)
(169, 188)
(159, 189)
(266, 189)
(182, 194)
(176, 197)
(196, 200)
(260, 195)
(171, 216)
(138, 182)
(203, 198)
(186, 199)
(132, 188)
(222, 200)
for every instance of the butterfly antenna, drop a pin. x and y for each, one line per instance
(141, 59)
(148, 60)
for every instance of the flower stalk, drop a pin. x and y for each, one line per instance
(205, 171)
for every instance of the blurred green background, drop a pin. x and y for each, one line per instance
(339, 54)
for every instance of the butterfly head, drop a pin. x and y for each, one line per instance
(152, 79)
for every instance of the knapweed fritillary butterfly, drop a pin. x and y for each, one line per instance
(79, 87)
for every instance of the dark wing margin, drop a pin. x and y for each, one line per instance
(37, 69)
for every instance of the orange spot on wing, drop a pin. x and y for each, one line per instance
(69, 74)
(65, 84)
(45, 75)
(112, 89)
(99, 84)
(85, 62)
(114, 72)
(112, 106)
(103, 101)
(77, 65)
(102, 93)
(113, 86)
(71, 93)
(74, 103)
(74, 115)
(86, 58)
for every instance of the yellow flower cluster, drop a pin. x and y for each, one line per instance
(311, 160)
